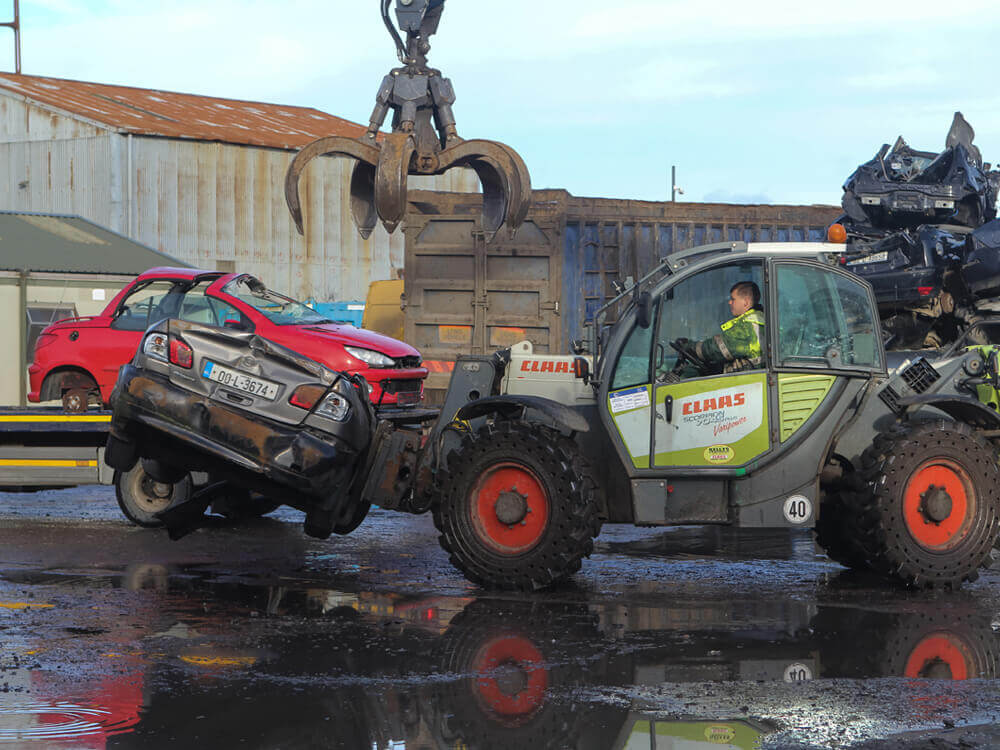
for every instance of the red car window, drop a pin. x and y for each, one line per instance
(277, 308)
(147, 305)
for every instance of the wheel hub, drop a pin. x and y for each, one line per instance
(511, 679)
(511, 507)
(939, 504)
(935, 504)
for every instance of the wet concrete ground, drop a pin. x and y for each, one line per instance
(253, 635)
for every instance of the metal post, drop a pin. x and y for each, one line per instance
(22, 353)
(16, 26)
(673, 184)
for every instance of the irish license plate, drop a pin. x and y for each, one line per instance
(240, 381)
(881, 257)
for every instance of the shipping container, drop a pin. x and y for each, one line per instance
(467, 295)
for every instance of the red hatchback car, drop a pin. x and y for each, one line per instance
(78, 359)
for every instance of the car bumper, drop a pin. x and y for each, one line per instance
(291, 463)
(396, 387)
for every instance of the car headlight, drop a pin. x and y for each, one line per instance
(156, 346)
(370, 357)
(334, 407)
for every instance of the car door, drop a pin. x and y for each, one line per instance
(116, 345)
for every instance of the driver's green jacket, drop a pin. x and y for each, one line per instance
(738, 346)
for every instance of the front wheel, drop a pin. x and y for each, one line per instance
(141, 497)
(934, 504)
(517, 507)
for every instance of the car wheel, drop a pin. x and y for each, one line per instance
(74, 401)
(517, 507)
(141, 497)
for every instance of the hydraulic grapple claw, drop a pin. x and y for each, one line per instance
(424, 140)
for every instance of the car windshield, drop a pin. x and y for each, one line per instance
(279, 309)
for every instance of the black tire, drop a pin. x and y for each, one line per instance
(528, 543)
(940, 646)
(517, 665)
(916, 531)
(835, 530)
(141, 497)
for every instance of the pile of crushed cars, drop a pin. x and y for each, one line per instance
(922, 228)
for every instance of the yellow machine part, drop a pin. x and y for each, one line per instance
(383, 313)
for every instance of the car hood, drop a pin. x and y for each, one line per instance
(345, 335)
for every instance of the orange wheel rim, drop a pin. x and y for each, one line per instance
(934, 654)
(510, 508)
(511, 678)
(938, 504)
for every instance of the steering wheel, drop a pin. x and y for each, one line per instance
(686, 351)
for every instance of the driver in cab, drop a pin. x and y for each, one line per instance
(737, 346)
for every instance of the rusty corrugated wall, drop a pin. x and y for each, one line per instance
(215, 205)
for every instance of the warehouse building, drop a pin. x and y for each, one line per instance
(197, 177)
(54, 267)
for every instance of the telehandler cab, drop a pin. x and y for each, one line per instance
(893, 462)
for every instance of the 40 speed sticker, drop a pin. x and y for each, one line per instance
(798, 509)
(719, 454)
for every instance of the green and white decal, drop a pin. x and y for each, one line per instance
(693, 735)
(719, 421)
(629, 408)
(798, 397)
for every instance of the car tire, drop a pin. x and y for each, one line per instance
(140, 497)
(932, 510)
(517, 508)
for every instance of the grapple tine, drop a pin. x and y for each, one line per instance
(503, 169)
(363, 198)
(391, 172)
(334, 145)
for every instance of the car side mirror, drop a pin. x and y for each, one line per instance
(644, 310)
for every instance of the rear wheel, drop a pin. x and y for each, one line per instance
(835, 530)
(517, 508)
(933, 507)
(141, 497)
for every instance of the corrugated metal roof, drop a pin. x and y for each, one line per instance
(174, 115)
(70, 244)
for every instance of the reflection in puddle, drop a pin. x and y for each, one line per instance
(211, 661)
(42, 722)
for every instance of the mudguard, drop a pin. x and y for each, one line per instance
(509, 406)
(962, 408)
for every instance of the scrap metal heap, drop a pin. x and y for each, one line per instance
(922, 228)
(424, 139)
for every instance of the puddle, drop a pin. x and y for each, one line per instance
(46, 723)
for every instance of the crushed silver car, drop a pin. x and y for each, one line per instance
(266, 424)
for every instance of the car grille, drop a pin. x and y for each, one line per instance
(407, 362)
(410, 385)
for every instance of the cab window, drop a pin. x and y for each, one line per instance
(697, 309)
(632, 367)
(825, 319)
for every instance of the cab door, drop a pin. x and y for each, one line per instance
(670, 413)
(702, 415)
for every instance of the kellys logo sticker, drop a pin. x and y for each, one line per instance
(720, 734)
(719, 454)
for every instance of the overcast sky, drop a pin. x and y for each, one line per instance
(768, 101)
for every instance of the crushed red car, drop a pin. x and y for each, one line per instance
(77, 360)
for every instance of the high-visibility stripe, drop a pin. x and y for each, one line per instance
(52, 463)
(55, 418)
